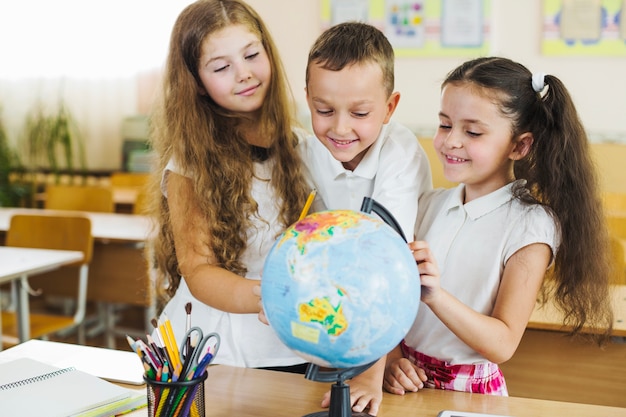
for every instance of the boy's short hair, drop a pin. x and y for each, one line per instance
(353, 43)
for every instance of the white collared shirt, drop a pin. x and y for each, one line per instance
(394, 172)
(472, 243)
(245, 341)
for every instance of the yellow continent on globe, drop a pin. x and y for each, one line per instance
(321, 311)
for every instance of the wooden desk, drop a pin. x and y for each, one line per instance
(547, 317)
(18, 263)
(106, 227)
(245, 392)
(550, 365)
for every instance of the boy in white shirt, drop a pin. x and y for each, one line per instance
(357, 150)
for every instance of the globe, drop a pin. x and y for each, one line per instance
(340, 288)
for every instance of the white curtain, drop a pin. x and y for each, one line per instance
(98, 58)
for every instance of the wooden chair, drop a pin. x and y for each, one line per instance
(91, 198)
(53, 232)
(132, 285)
(141, 202)
(131, 182)
(618, 264)
(615, 209)
(129, 179)
(79, 197)
(614, 201)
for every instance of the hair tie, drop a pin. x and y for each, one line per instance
(538, 81)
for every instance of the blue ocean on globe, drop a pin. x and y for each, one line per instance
(340, 288)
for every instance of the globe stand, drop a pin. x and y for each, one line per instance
(370, 205)
(339, 391)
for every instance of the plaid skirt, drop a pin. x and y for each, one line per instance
(481, 378)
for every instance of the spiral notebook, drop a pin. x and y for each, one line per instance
(30, 388)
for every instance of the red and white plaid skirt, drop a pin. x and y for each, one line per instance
(481, 378)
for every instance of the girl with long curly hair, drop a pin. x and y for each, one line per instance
(229, 177)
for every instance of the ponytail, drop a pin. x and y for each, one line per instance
(565, 180)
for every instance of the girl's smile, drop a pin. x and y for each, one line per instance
(474, 141)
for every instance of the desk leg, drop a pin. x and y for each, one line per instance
(23, 318)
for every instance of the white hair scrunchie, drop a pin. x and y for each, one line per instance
(538, 81)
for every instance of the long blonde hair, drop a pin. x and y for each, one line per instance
(206, 140)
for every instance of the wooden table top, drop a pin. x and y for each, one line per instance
(245, 392)
(15, 262)
(132, 228)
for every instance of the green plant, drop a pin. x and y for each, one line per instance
(14, 191)
(53, 142)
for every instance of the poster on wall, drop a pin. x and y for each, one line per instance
(462, 23)
(420, 27)
(584, 27)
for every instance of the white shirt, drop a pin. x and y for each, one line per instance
(472, 244)
(394, 172)
(245, 341)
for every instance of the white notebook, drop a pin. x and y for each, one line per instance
(112, 365)
(29, 388)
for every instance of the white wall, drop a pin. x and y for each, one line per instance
(597, 84)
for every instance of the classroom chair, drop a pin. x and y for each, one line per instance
(134, 182)
(53, 232)
(141, 202)
(93, 198)
(132, 286)
(615, 206)
(617, 273)
(129, 179)
(615, 209)
(614, 201)
(79, 197)
(618, 270)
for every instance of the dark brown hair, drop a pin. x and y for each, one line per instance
(351, 43)
(560, 175)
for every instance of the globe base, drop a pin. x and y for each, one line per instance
(327, 414)
(339, 403)
(339, 391)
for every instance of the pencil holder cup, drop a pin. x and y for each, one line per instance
(176, 399)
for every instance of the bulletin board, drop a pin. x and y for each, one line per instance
(584, 27)
(444, 28)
